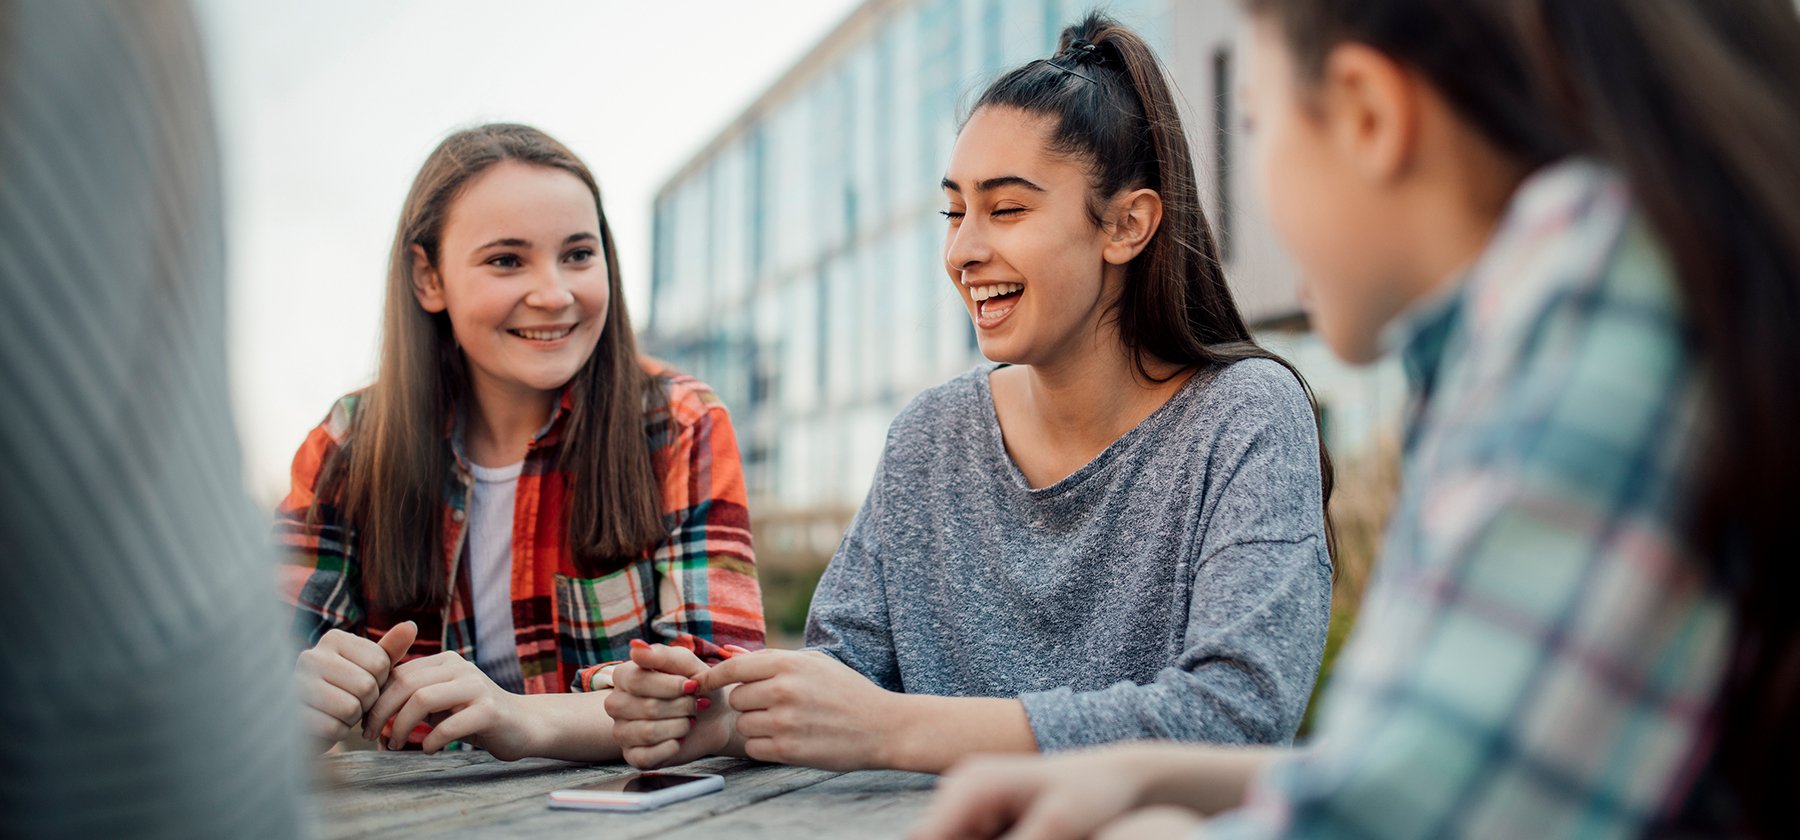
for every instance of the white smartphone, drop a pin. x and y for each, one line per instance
(637, 792)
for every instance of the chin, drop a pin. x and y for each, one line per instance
(550, 382)
(1000, 350)
(1356, 347)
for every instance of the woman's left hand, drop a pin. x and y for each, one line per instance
(459, 701)
(807, 708)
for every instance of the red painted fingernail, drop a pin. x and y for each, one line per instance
(702, 704)
(690, 687)
(639, 643)
(692, 720)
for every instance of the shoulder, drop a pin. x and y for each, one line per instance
(335, 428)
(1255, 392)
(1256, 380)
(678, 401)
(325, 443)
(1582, 386)
(958, 399)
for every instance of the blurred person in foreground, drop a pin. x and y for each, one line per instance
(136, 594)
(1578, 225)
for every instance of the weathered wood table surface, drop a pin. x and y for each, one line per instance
(470, 794)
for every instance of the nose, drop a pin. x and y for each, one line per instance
(549, 290)
(965, 247)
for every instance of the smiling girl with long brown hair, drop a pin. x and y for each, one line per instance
(519, 493)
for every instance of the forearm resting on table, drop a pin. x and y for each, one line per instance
(930, 734)
(1205, 778)
(571, 727)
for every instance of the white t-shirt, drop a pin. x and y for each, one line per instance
(490, 573)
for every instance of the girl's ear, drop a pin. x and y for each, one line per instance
(1136, 218)
(428, 287)
(1372, 109)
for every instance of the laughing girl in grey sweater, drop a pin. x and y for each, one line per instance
(1116, 533)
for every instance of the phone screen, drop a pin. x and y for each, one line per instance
(641, 783)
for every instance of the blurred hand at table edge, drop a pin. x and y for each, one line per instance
(1090, 792)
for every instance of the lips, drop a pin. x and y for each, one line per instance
(544, 333)
(991, 310)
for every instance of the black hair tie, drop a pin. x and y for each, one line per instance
(1082, 51)
(1079, 53)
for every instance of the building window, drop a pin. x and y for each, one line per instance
(824, 313)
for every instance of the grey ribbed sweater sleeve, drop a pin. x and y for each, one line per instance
(848, 619)
(146, 686)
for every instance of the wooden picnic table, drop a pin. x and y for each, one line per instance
(472, 794)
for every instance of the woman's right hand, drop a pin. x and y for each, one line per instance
(659, 716)
(1062, 797)
(341, 676)
(1073, 795)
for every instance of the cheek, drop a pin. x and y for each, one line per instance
(1300, 204)
(1063, 256)
(1334, 239)
(592, 294)
(471, 311)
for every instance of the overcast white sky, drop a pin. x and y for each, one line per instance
(326, 109)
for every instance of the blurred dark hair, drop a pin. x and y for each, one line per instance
(1111, 109)
(1695, 103)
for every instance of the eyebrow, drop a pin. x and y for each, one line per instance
(995, 183)
(584, 236)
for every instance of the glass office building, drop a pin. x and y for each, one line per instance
(797, 257)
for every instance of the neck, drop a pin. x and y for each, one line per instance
(1468, 188)
(502, 422)
(1093, 393)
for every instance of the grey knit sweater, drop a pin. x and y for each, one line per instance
(1177, 586)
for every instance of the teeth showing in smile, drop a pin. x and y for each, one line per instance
(543, 335)
(981, 293)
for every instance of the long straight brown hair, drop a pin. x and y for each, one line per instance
(1110, 101)
(1697, 104)
(393, 471)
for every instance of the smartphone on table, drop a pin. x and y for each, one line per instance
(637, 791)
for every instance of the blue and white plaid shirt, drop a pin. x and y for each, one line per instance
(1537, 654)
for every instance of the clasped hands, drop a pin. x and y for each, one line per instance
(793, 707)
(349, 682)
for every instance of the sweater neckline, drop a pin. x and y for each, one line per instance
(1146, 428)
